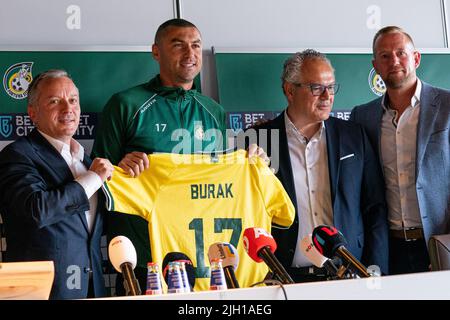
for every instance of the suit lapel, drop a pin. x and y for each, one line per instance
(333, 150)
(378, 116)
(429, 110)
(56, 163)
(50, 156)
(285, 163)
(87, 163)
(285, 173)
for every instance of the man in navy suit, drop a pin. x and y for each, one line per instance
(48, 192)
(409, 130)
(328, 168)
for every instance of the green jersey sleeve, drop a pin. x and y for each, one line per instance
(111, 135)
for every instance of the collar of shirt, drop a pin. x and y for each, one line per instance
(415, 99)
(291, 128)
(74, 152)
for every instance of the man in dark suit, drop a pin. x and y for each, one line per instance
(48, 198)
(409, 130)
(328, 168)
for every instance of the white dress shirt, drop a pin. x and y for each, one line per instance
(398, 154)
(309, 161)
(89, 180)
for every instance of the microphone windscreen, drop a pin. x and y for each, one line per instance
(225, 251)
(121, 250)
(255, 239)
(311, 253)
(179, 256)
(327, 240)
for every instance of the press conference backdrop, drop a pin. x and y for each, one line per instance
(97, 74)
(232, 23)
(249, 84)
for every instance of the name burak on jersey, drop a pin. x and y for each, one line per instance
(211, 191)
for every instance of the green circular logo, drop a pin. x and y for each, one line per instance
(376, 84)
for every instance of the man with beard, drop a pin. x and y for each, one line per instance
(327, 167)
(409, 130)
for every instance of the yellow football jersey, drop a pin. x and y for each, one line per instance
(192, 201)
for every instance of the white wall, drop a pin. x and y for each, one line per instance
(308, 24)
(319, 23)
(82, 22)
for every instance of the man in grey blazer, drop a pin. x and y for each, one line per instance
(409, 130)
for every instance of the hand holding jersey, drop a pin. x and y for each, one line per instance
(191, 201)
(135, 162)
(254, 150)
(103, 168)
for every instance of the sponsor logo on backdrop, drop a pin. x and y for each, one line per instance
(17, 78)
(6, 127)
(376, 84)
(341, 114)
(235, 122)
(238, 121)
(15, 125)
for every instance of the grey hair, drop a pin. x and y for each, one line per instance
(292, 67)
(390, 29)
(33, 92)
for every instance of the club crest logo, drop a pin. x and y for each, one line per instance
(376, 84)
(17, 79)
(199, 133)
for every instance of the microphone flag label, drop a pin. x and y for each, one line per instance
(330, 230)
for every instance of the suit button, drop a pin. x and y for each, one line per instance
(291, 250)
(87, 269)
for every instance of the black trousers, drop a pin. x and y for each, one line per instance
(408, 256)
(298, 276)
(91, 292)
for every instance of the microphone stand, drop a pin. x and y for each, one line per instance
(130, 282)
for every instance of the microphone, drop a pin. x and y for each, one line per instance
(180, 257)
(260, 246)
(313, 255)
(330, 242)
(230, 260)
(122, 255)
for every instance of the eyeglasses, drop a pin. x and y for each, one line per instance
(319, 89)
